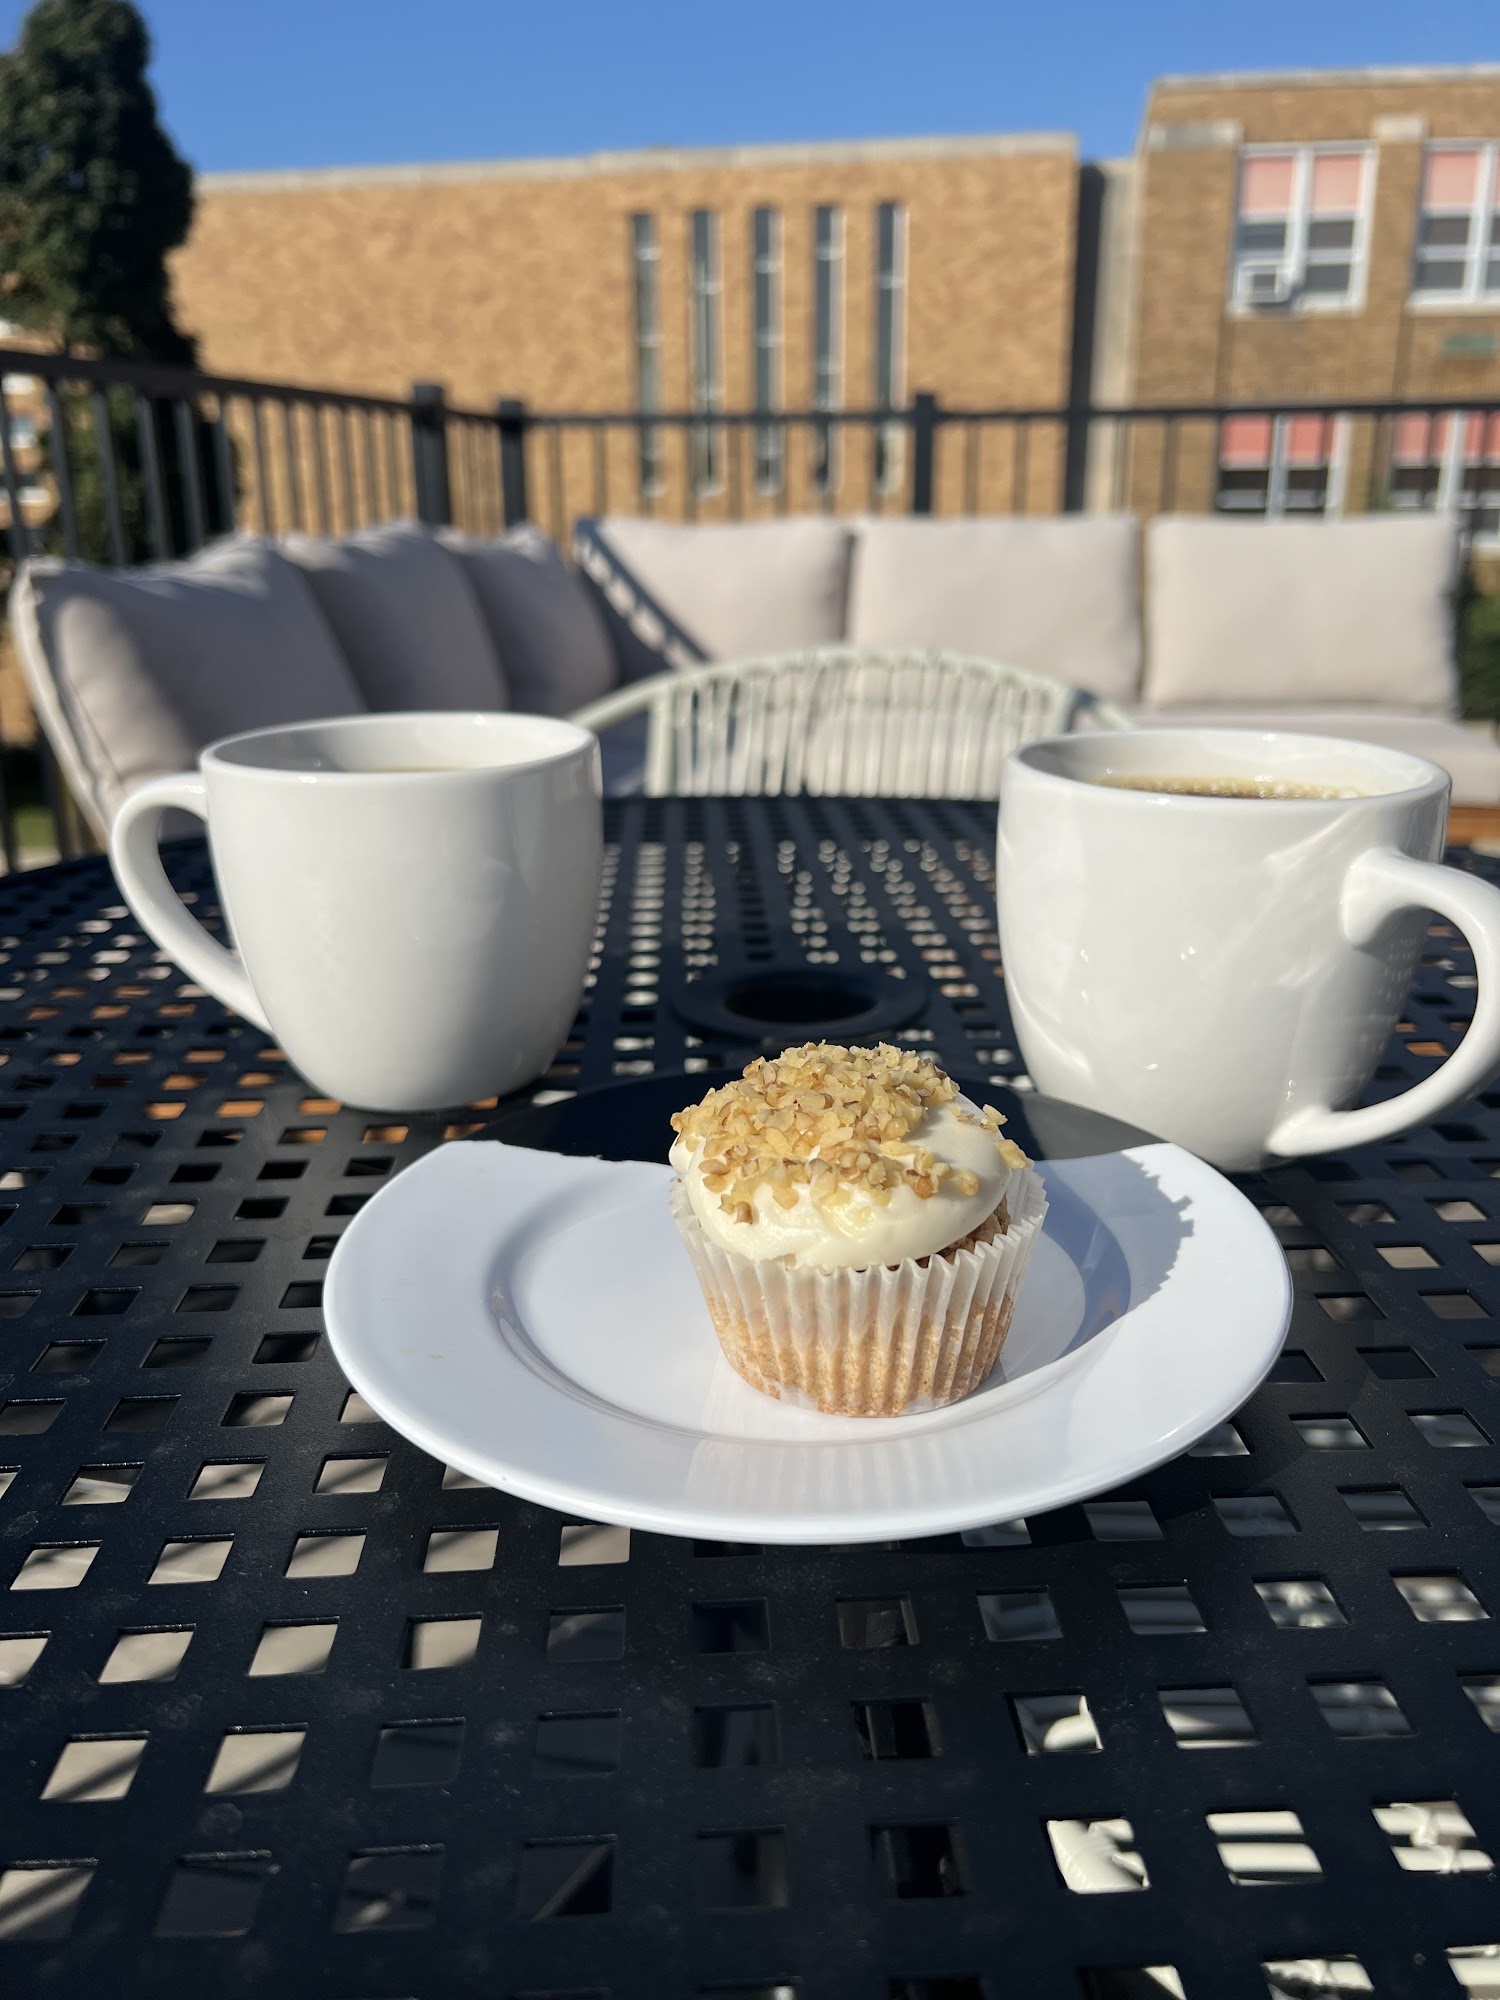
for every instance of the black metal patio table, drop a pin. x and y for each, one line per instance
(286, 1707)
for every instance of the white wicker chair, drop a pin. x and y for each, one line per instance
(850, 721)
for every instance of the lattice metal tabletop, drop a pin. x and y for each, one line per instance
(288, 1708)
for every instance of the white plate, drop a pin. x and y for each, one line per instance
(533, 1320)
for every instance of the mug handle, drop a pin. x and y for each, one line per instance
(1379, 885)
(136, 859)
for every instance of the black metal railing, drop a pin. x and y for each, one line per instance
(1146, 458)
(123, 462)
(142, 462)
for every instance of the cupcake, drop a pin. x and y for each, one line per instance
(859, 1228)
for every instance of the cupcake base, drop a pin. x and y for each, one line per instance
(882, 1342)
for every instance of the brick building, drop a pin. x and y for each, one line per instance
(1300, 236)
(1314, 235)
(828, 276)
(26, 403)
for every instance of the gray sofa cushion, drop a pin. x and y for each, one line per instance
(1292, 614)
(402, 610)
(542, 620)
(1059, 595)
(133, 671)
(676, 595)
(1467, 751)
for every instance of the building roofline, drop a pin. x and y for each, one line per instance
(1375, 73)
(660, 159)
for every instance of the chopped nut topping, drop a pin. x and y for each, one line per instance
(828, 1119)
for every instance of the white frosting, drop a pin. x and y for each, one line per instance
(849, 1229)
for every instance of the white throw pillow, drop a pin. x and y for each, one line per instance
(675, 595)
(542, 621)
(401, 608)
(1058, 594)
(133, 671)
(1315, 614)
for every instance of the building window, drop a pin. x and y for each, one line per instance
(828, 340)
(1281, 465)
(890, 336)
(1449, 462)
(765, 286)
(34, 498)
(1302, 227)
(706, 346)
(1458, 232)
(646, 268)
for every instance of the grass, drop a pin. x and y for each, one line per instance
(1479, 656)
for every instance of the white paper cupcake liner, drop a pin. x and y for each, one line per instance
(872, 1343)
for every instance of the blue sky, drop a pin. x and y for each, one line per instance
(297, 83)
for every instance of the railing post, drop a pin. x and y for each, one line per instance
(510, 423)
(923, 436)
(1093, 193)
(429, 454)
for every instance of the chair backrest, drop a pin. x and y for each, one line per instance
(1057, 594)
(680, 594)
(132, 672)
(844, 721)
(1290, 614)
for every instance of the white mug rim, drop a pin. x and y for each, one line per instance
(569, 738)
(1420, 776)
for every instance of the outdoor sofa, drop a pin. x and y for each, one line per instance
(1337, 626)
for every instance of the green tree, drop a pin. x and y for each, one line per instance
(93, 198)
(93, 194)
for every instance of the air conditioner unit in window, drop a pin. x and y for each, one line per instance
(1267, 288)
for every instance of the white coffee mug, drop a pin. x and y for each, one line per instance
(412, 897)
(1225, 972)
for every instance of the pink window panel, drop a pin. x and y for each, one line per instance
(1266, 184)
(1245, 441)
(1482, 440)
(1451, 180)
(1419, 440)
(1307, 440)
(1336, 182)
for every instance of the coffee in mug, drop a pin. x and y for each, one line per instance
(1224, 967)
(1230, 788)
